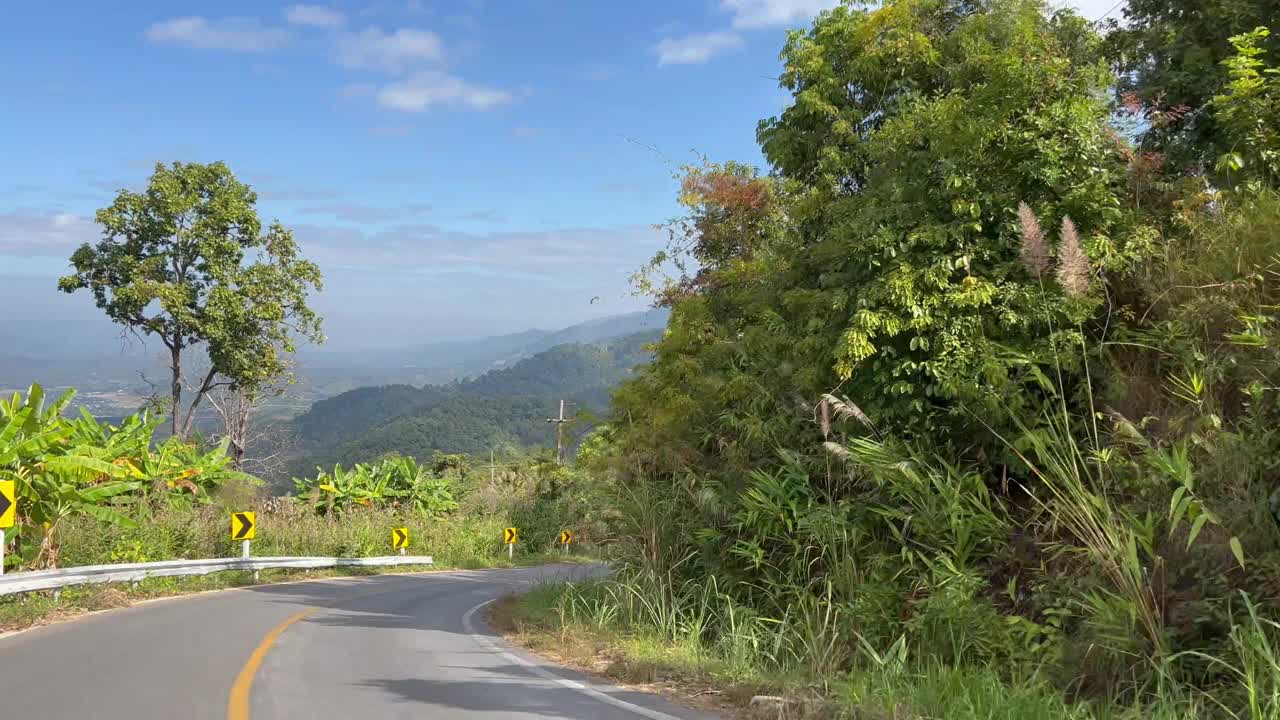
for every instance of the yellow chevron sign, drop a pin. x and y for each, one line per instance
(400, 538)
(8, 503)
(566, 537)
(242, 526)
(510, 535)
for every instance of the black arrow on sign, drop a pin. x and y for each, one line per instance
(402, 538)
(245, 526)
(5, 503)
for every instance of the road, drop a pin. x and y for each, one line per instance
(391, 646)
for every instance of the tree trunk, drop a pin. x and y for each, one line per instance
(175, 364)
(237, 456)
(195, 402)
(238, 429)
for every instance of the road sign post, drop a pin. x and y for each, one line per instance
(566, 537)
(8, 511)
(400, 539)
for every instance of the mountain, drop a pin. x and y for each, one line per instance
(507, 406)
(445, 361)
(117, 377)
(343, 416)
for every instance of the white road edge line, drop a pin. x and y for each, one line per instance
(583, 688)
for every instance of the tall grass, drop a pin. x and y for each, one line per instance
(696, 629)
(204, 532)
(882, 598)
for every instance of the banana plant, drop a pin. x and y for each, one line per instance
(339, 491)
(66, 466)
(391, 481)
(54, 477)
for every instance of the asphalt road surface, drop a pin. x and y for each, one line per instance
(392, 646)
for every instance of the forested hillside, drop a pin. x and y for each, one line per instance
(335, 419)
(463, 423)
(501, 408)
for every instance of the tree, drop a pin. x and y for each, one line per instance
(187, 261)
(883, 256)
(1249, 110)
(1170, 55)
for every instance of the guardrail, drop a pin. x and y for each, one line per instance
(33, 580)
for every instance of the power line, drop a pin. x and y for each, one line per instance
(1104, 15)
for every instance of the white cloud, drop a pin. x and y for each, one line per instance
(314, 15)
(235, 34)
(27, 233)
(371, 49)
(696, 48)
(433, 87)
(770, 13)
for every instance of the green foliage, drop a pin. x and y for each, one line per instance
(172, 264)
(337, 419)
(94, 493)
(1058, 462)
(398, 482)
(911, 192)
(1170, 55)
(1248, 110)
(77, 467)
(884, 254)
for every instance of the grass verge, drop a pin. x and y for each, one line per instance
(746, 684)
(635, 659)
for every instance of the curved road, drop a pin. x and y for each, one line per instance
(391, 646)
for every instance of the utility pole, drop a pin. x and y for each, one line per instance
(559, 421)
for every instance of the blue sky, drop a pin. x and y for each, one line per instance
(457, 168)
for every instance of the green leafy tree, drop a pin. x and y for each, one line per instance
(885, 255)
(1249, 110)
(1170, 56)
(187, 260)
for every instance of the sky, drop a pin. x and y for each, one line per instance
(458, 168)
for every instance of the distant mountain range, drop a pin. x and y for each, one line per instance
(502, 408)
(448, 360)
(116, 380)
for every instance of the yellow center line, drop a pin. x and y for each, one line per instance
(238, 705)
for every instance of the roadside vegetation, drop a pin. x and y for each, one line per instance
(92, 493)
(189, 263)
(968, 407)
